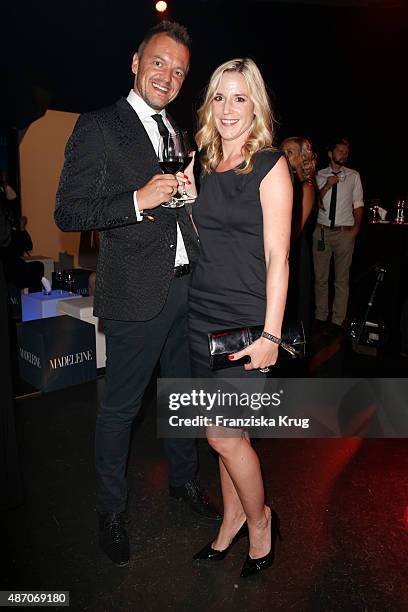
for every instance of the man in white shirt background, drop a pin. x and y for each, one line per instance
(338, 224)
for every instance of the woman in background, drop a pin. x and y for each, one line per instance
(300, 292)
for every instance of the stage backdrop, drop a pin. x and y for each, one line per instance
(41, 160)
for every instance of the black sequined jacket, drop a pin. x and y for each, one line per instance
(107, 157)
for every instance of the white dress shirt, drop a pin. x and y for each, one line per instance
(145, 112)
(349, 196)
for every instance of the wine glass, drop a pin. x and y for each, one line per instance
(59, 281)
(400, 212)
(173, 157)
(70, 281)
(374, 214)
(188, 198)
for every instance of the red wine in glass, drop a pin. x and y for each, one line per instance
(172, 166)
(173, 157)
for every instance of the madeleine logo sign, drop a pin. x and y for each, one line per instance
(56, 352)
(72, 359)
(30, 357)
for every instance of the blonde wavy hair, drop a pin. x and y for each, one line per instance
(307, 157)
(261, 135)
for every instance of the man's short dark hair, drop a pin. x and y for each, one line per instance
(337, 141)
(174, 30)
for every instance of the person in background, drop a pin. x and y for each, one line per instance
(22, 274)
(300, 300)
(10, 477)
(6, 190)
(338, 223)
(19, 272)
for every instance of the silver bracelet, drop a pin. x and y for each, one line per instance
(271, 337)
(287, 347)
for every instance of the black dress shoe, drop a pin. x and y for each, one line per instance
(113, 538)
(191, 494)
(209, 553)
(254, 566)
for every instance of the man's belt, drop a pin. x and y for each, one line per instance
(181, 270)
(336, 228)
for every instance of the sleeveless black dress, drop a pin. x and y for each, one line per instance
(228, 285)
(300, 298)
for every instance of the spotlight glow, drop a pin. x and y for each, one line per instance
(161, 6)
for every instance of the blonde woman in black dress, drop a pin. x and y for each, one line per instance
(243, 218)
(300, 301)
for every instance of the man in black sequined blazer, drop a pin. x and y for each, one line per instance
(111, 182)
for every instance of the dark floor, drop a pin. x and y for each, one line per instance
(343, 506)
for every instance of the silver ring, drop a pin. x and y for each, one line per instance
(264, 370)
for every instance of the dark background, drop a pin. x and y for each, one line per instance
(332, 67)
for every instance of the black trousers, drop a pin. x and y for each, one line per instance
(133, 350)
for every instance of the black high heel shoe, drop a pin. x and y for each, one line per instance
(254, 566)
(211, 554)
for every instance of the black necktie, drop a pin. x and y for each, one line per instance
(164, 132)
(333, 201)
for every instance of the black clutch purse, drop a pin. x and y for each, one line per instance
(226, 342)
